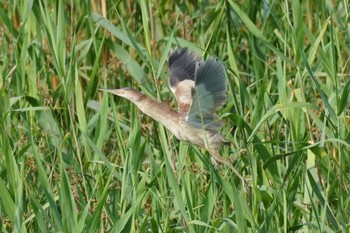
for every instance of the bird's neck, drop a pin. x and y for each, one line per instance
(160, 112)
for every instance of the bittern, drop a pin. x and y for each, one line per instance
(200, 89)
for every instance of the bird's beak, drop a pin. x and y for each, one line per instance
(119, 92)
(113, 91)
(104, 89)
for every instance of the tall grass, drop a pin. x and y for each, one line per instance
(76, 160)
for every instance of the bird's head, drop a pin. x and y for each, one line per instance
(127, 93)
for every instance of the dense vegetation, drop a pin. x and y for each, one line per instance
(73, 159)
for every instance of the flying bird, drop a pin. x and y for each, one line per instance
(200, 89)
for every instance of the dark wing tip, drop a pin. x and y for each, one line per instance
(209, 71)
(211, 74)
(182, 64)
(176, 54)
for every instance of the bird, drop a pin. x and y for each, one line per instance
(200, 89)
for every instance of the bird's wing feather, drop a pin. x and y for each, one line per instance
(208, 94)
(182, 66)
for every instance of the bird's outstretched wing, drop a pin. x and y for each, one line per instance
(182, 64)
(208, 95)
(199, 87)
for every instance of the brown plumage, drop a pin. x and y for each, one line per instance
(200, 89)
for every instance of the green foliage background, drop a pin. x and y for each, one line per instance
(73, 159)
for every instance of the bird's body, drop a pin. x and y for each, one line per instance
(173, 121)
(200, 90)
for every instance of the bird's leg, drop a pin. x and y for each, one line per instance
(221, 159)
